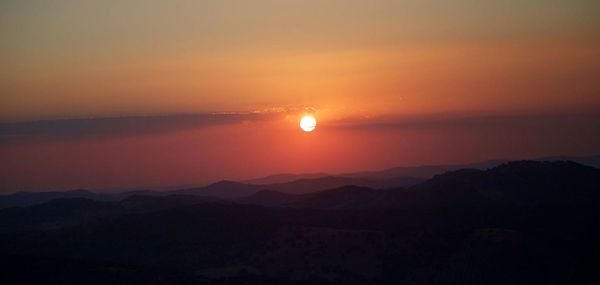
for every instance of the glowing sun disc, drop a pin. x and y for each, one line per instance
(308, 123)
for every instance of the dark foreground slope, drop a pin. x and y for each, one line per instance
(519, 223)
(70, 212)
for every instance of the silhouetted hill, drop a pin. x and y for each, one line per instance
(141, 203)
(222, 189)
(23, 199)
(304, 186)
(426, 171)
(285, 183)
(70, 212)
(345, 197)
(283, 178)
(30, 198)
(524, 222)
(55, 214)
(234, 190)
(514, 184)
(270, 198)
(519, 183)
(229, 229)
(377, 246)
(589, 160)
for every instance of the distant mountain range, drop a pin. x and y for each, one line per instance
(519, 183)
(421, 172)
(222, 189)
(21, 199)
(231, 189)
(284, 177)
(526, 184)
(284, 183)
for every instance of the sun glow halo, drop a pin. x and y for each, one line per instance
(308, 123)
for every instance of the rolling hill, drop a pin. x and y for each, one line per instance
(537, 221)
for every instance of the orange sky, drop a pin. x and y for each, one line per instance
(437, 70)
(76, 59)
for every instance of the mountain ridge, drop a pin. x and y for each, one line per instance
(228, 189)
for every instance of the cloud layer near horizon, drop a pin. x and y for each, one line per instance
(106, 127)
(109, 153)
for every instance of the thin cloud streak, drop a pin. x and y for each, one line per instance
(483, 121)
(118, 126)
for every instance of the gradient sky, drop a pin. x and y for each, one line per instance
(391, 83)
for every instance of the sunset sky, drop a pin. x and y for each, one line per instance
(117, 94)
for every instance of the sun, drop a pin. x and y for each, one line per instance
(308, 123)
